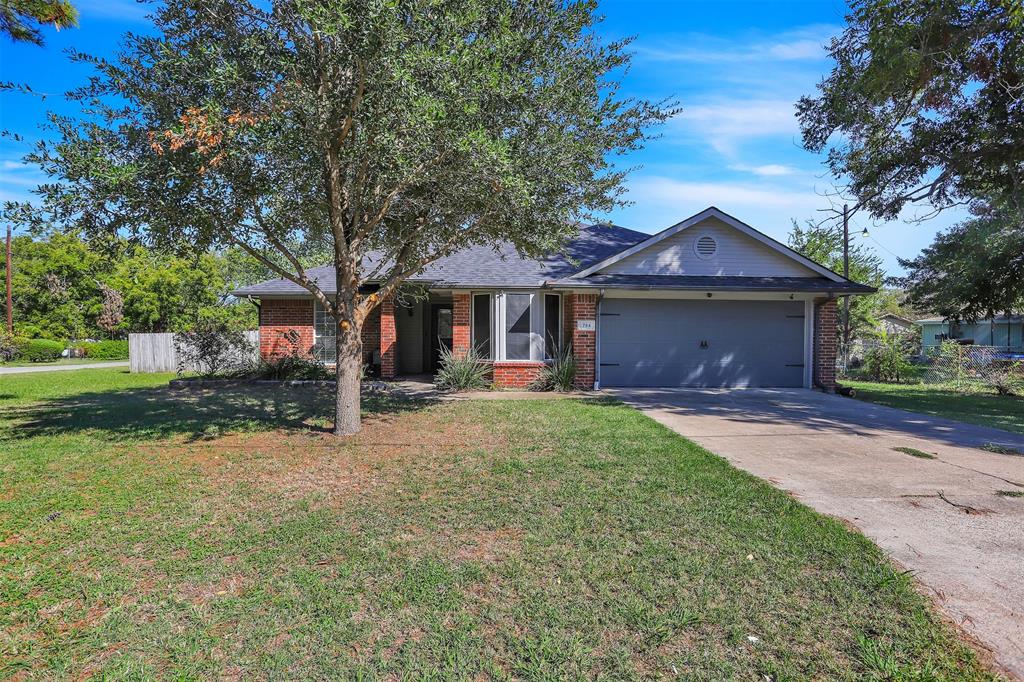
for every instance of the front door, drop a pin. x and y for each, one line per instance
(440, 332)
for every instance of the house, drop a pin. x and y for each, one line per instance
(891, 323)
(1004, 331)
(709, 301)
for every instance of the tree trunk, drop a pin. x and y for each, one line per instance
(349, 368)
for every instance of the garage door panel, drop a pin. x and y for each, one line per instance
(659, 343)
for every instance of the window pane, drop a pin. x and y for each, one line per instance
(517, 326)
(482, 325)
(552, 324)
(324, 333)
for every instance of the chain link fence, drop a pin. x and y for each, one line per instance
(961, 367)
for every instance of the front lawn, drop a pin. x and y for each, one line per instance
(986, 409)
(150, 533)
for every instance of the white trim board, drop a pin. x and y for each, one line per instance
(712, 212)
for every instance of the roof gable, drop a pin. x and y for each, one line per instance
(739, 250)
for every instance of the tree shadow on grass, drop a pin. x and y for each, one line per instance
(152, 413)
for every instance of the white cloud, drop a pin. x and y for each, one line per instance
(803, 44)
(766, 170)
(725, 124)
(666, 191)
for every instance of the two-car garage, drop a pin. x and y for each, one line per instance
(705, 343)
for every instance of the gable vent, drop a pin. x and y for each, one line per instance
(705, 246)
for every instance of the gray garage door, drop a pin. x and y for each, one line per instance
(701, 343)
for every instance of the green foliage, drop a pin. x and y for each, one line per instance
(1008, 379)
(21, 20)
(8, 347)
(38, 350)
(105, 350)
(887, 361)
(462, 371)
(923, 103)
(974, 270)
(293, 367)
(559, 374)
(65, 287)
(212, 349)
(401, 131)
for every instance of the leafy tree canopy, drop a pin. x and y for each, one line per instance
(21, 19)
(823, 243)
(974, 270)
(63, 289)
(390, 132)
(925, 103)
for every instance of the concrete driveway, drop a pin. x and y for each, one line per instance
(941, 518)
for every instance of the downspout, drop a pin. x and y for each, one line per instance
(597, 340)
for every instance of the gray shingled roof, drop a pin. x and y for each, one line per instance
(487, 266)
(490, 267)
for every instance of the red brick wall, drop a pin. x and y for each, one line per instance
(584, 344)
(826, 344)
(387, 337)
(286, 327)
(516, 374)
(460, 323)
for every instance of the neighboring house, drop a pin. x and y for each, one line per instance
(1004, 331)
(892, 323)
(709, 301)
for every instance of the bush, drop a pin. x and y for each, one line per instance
(559, 374)
(212, 349)
(1008, 379)
(888, 361)
(294, 367)
(38, 350)
(462, 372)
(8, 348)
(105, 350)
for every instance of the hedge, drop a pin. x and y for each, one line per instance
(38, 350)
(106, 350)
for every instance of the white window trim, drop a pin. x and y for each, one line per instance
(498, 320)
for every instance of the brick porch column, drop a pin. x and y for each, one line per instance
(584, 343)
(460, 324)
(388, 340)
(826, 344)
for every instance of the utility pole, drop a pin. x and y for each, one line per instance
(846, 299)
(10, 298)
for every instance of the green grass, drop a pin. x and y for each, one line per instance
(149, 533)
(1010, 493)
(62, 361)
(985, 409)
(1001, 449)
(914, 452)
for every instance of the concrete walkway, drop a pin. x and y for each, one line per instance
(60, 368)
(942, 518)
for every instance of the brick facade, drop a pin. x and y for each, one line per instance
(460, 324)
(516, 374)
(826, 345)
(387, 338)
(584, 343)
(286, 327)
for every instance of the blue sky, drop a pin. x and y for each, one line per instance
(736, 68)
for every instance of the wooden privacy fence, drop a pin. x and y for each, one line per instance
(156, 353)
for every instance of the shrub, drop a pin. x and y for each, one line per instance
(888, 361)
(462, 372)
(105, 350)
(39, 350)
(559, 374)
(1008, 379)
(8, 348)
(212, 349)
(293, 367)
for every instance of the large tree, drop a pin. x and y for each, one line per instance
(974, 270)
(395, 132)
(925, 103)
(21, 19)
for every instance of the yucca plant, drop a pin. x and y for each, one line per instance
(558, 375)
(462, 371)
